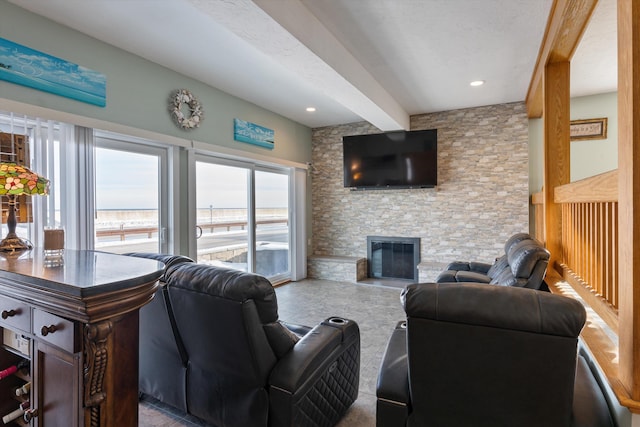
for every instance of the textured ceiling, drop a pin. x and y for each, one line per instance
(374, 60)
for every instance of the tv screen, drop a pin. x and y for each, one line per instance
(397, 159)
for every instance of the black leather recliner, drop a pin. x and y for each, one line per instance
(477, 355)
(229, 360)
(524, 264)
(163, 360)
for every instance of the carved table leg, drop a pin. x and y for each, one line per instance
(95, 366)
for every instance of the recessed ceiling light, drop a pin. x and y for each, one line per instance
(477, 83)
(311, 109)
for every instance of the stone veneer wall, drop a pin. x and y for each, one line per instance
(481, 199)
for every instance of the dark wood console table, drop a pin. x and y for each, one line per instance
(76, 321)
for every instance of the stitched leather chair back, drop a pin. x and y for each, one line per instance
(527, 265)
(221, 319)
(161, 347)
(503, 262)
(514, 240)
(529, 259)
(519, 346)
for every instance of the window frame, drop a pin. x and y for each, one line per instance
(165, 155)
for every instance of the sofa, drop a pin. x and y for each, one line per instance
(523, 264)
(476, 355)
(212, 345)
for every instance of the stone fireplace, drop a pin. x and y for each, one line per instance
(482, 195)
(393, 257)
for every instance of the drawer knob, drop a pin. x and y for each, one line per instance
(10, 313)
(46, 330)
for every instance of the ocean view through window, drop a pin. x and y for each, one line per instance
(121, 193)
(127, 201)
(242, 217)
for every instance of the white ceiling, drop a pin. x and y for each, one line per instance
(353, 60)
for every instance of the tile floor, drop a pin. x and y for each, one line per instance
(374, 306)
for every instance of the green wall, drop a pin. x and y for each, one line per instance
(138, 90)
(588, 157)
(595, 156)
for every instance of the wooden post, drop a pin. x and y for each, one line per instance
(556, 151)
(629, 193)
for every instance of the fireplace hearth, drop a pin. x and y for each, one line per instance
(393, 257)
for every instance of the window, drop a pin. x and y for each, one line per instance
(131, 196)
(122, 194)
(242, 216)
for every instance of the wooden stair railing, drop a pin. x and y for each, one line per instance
(589, 265)
(589, 259)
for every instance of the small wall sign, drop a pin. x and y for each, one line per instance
(588, 129)
(28, 67)
(252, 133)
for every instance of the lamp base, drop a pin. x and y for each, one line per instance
(13, 243)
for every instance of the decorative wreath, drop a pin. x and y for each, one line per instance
(179, 98)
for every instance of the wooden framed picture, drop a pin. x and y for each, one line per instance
(588, 129)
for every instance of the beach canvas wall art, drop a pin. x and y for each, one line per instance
(253, 134)
(28, 67)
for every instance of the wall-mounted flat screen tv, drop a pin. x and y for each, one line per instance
(399, 159)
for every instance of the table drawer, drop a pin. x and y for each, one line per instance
(55, 330)
(15, 314)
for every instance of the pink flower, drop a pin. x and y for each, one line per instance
(13, 184)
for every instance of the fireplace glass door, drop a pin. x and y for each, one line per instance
(393, 258)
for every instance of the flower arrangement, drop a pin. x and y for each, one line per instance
(181, 98)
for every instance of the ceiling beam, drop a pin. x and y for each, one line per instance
(289, 34)
(567, 21)
(341, 76)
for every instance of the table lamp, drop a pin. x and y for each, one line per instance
(14, 181)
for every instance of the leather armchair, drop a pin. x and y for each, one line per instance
(524, 264)
(476, 355)
(242, 366)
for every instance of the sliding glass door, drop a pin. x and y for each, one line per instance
(272, 223)
(242, 217)
(222, 216)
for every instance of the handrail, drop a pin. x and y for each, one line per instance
(598, 188)
(122, 231)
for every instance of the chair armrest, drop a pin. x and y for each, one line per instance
(479, 267)
(392, 391)
(321, 369)
(470, 276)
(458, 266)
(306, 356)
(299, 330)
(447, 276)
